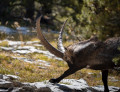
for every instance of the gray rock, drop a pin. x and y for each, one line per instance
(39, 62)
(66, 85)
(1, 76)
(10, 77)
(17, 84)
(29, 88)
(14, 43)
(6, 78)
(3, 90)
(71, 85)
(15, 47)
(24, 89)
(13, 76)
(35, 43)
(44, 89)
(100, 88)
(5, 84)
(7, 48)
(25, 47)
(17, 90)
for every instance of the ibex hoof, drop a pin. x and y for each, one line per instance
(106, 90)
(53, 81)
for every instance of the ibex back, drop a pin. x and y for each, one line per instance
(92, 54)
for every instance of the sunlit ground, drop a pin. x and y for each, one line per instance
(34, 73)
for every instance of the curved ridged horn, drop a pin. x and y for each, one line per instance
(47, 45)
(59, 44)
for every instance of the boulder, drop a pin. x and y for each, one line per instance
(5, 84)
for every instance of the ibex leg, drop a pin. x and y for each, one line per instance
(104, 79)
(65, 74)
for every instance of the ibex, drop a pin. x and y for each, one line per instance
(91, 54)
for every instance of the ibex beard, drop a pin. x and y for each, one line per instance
(91, 53)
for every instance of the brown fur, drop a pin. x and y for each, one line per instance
(92, 53)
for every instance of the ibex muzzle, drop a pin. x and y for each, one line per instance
(92, 54)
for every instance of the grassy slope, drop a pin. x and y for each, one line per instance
(32, 73)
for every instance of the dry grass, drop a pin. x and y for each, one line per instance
(4, 43)
(32, 73)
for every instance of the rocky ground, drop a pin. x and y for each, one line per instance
(9, 83)
(23, 48)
